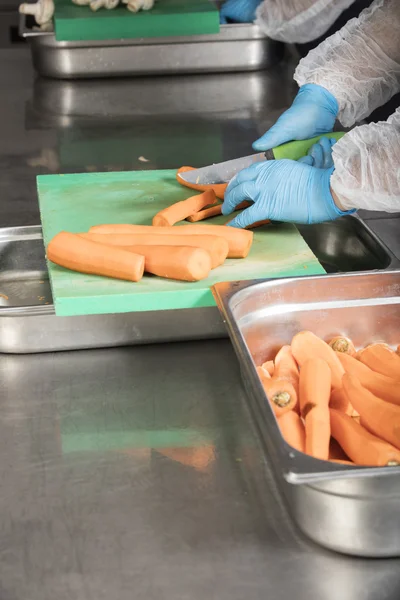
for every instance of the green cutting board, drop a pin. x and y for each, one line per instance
(167, 18)
(76, 202)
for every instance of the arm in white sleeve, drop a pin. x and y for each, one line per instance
(367, 167)
(299, 21)
(360, 64)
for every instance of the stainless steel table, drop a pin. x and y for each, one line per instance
(95, 501)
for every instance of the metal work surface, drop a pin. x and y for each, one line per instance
(358, 508)
(238, 47)
(104, 524)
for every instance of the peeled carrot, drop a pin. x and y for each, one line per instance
(218, 188)
(216, 247)
(379, 385)
(175, 262)
(183, 209)
(315, 389)
(73, 252)
(286, 367)
(342, 344)
(379, 417)
(340, 402)
(239, 240)
(292, 430)
(382, 359)
(265, 371)
(360, 445)
(269, 366)
(280, 393)
(207, 213)
(306, 345)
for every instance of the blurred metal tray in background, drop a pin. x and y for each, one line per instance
(28, 323)
(237, 47)
(354, 510)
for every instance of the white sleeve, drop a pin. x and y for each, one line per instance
(367, 167)
(299, 21)
(360, 64)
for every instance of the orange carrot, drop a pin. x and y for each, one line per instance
(379, 417)
(360, 445)
(217, 247)
(266, 372)
(286, 367)
(292, 430)
(73, 252)
(306, 345)
(379, 385)
(342, 344)
(269, 367)
(218, 188)
(181, 210)
(207, 213)
(239, 240)
(315, 389)
(339, 401)
(342, 462)
(175, 262)
(280, 393)
(382, 359)
(336, 452)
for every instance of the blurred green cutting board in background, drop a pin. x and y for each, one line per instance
(76, 202)
(167, 18)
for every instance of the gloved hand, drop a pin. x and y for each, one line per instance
(282, 190)
(320, 154)
(239, 11)
(313, 112)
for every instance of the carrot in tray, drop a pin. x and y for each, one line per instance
(280, 393)
(306, 345)
(361, 446)
(379, 385)
(217, 247)
(342, 344)
(181, 210)
(339, 401)
(286, 367)
(269, 367)
(292, 430)
(239, 240)
(218, 188)
(382, 359)
(175, 262)
(71, 251)
(379, 417)
(336, 452)
(314, 394)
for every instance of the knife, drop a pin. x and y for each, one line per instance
(225, 171)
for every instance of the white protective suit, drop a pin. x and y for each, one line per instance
(360, 66)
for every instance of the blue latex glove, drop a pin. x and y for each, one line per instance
(313, 112)
(238, 11)
(282, 190)
(320, 155)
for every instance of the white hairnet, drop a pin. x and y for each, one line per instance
(299, 21)
(367, 167)
(360, 64)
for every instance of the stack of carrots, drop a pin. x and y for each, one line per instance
(127, 251)
(334, 403)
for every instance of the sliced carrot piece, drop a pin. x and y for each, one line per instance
(218, 188)
(175, 262)
(239, 240)
(315, 389)
(382, 359)
(360, 445)
(207, 213)
(342, 344)
(379, 385)
(379, 417)
(280, 393)
(292, 430)
(306, 345)
(217, 247)
(71, 251)
(181, 210)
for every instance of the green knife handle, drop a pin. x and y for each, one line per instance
(296, 150)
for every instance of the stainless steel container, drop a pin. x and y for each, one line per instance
(354, 510)
(28, 322)
(241, 47)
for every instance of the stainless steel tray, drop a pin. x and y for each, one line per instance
(240, 47)
(28, 322)
(354, 510)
